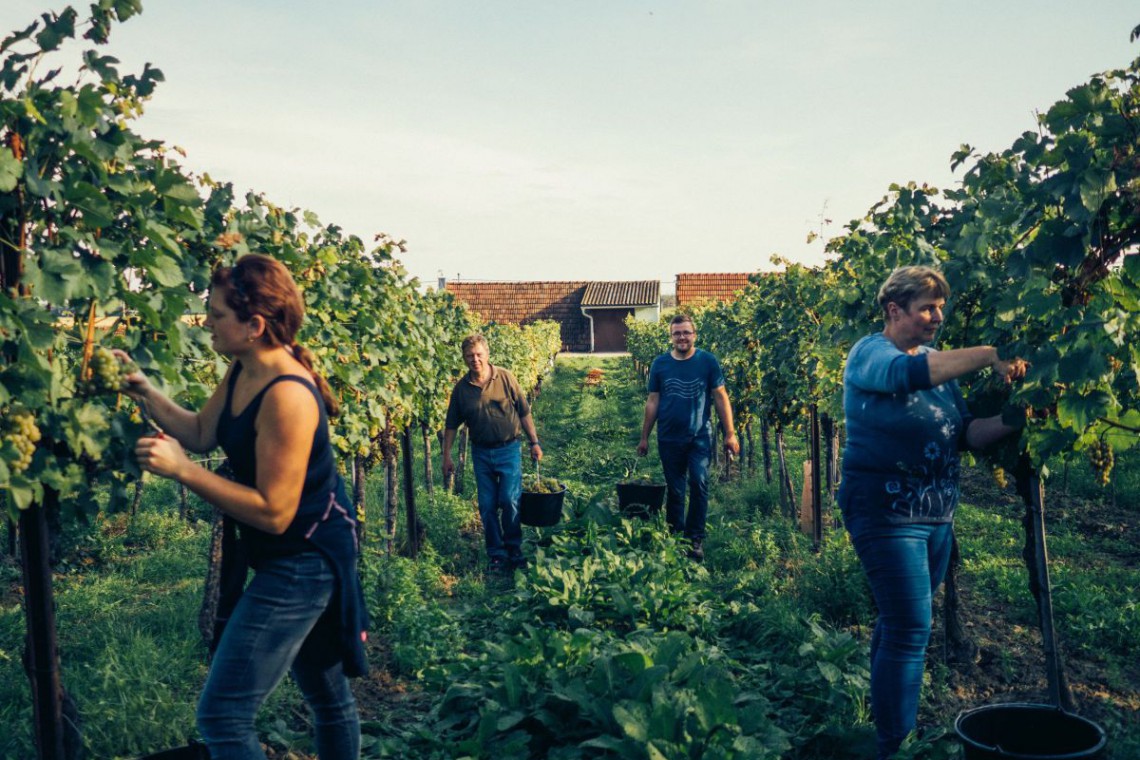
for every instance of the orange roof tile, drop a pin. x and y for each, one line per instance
(719, 286)
(525, 302)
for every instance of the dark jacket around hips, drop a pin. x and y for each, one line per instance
(324, 521)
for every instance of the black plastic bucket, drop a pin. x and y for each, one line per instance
(641, 499)
(1021, 731)
(192, 751)
(541, 509)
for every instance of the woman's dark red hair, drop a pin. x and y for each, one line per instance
(261, 285)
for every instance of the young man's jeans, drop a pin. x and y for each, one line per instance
(904, 564)
(498, 477)
(275, 625)
(691, 459)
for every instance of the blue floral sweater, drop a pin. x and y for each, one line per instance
(900, 464)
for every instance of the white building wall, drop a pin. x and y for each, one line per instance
(647, 313)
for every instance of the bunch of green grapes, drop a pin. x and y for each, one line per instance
(20, 430)
(1101, 458)
(107, 372)
(1000, 477)
(536, 484)
(642, 479)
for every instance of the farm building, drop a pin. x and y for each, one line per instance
(717, 286)
(592, 314)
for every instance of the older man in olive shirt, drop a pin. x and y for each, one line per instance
(488, 399)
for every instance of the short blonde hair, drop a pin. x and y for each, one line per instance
(908, 283)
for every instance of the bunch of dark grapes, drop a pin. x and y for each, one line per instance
(1101, 458)
(107, 373)
(20, 430)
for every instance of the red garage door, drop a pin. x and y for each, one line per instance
(610, 329)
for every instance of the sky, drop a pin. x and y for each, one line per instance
(600, 139)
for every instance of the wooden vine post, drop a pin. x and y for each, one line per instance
(412, 522)
(766, 449)
(1036, 558)
(42, 658)
(461, 462)
(425, 434)
(391, 490)
(785, 477)
(816, 490)
(750, 443)
(359, 485)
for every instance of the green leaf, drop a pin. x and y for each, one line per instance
(611, 743)
(513, 684)
(82, 429)
(507, 721)
(162, 235)
(97, 210)
(1096, 186)
(1078, 411)
(715, 703)
(22, 496)
(11, 169)
(165, 271)
(1081, 363)
(1054, 245)
(633, 662)
(124, 9)
(830, 672)
(55, 277)
(633, 717)
(56, 29)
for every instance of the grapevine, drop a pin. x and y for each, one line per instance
(106, 373)
(1102, 460)
(537, 484)
(21, 434)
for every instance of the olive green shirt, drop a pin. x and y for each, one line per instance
(492, 413)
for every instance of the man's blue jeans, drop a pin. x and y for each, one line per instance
(904, 564)
(498, 478)
(686, 461)
(278, 624)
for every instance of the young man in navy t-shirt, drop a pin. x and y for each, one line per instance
(683, 385)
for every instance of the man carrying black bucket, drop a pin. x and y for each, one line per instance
(683, 386)
(489, 401)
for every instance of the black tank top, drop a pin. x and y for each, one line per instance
(324, 520)
(237, 436)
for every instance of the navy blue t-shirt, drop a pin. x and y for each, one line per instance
(685, 388)
(900, 464)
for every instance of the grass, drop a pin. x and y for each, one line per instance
(784, 624)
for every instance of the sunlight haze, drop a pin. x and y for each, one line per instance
(600, 140)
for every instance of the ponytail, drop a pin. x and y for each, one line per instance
(306, 358)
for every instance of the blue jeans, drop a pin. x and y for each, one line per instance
(498, 478)
(278, 624)
(904, 564)
(678, 460)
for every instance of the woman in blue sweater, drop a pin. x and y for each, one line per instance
(906, 422)
(303, 611)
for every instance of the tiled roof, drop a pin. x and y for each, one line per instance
(721, 286)
(525, 302)
(635, 293)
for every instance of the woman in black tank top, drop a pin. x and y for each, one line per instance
(304, 608)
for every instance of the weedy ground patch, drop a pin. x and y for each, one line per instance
(612, 643)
